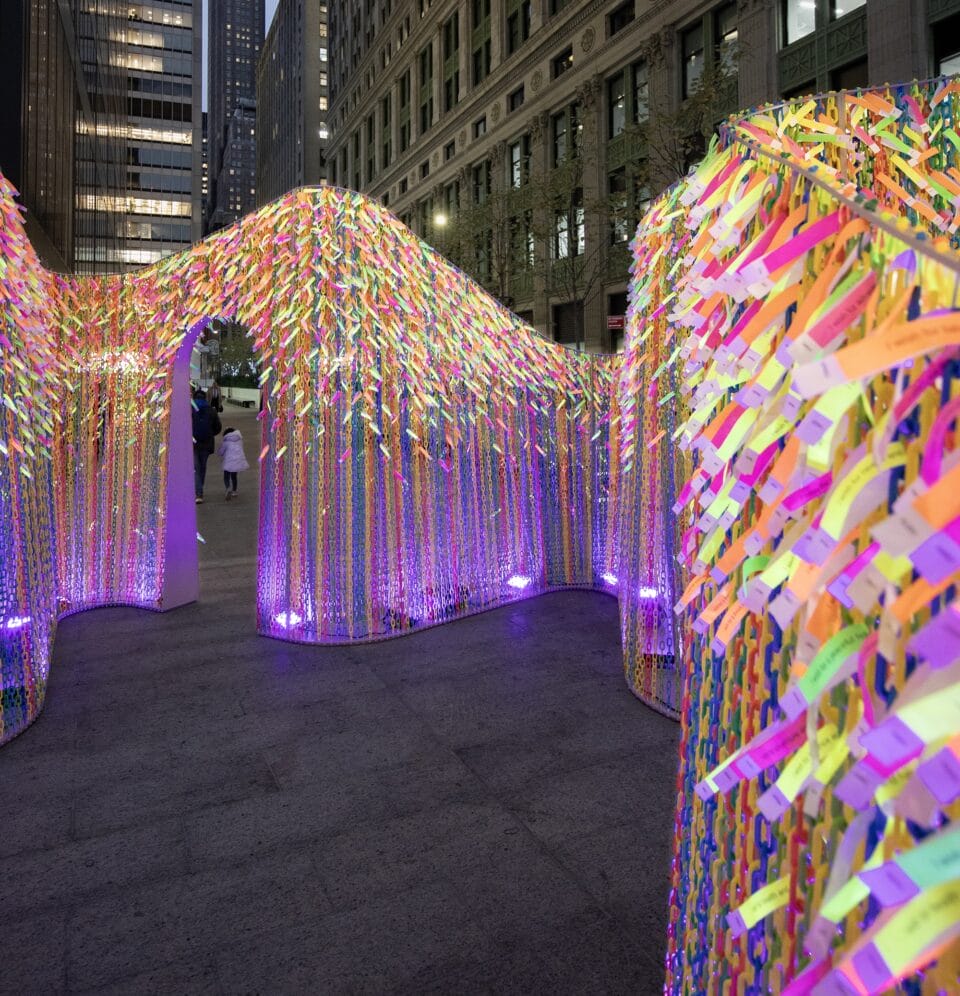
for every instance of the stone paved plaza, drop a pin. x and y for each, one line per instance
(482, 807)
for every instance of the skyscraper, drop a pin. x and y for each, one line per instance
(236, 35)
(153, 87)
(292, 100)
(204, 172)
(46, 103)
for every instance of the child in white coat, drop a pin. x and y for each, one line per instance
(231, 451)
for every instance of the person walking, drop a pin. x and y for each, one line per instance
(231, 452)
(206, 426)
(215, 397)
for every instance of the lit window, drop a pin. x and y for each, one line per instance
(726, 35)
(840, 7)
(563, 62)
(616, 105)
(692, 42)
(641, 93)
(799, 19)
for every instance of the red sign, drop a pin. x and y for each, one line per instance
(615, 321)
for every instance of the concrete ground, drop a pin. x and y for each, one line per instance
(479, 808)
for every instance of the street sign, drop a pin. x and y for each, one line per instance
(616, 321)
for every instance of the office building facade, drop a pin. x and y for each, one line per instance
(292, 100)
(154, 90)
(104, 140)
(47, 106)
(236, 36)
(460, 117)
(204, 171)
(235, 193)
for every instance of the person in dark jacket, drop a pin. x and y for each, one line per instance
(206, 426)
(215, 397)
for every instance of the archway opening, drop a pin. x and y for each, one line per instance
(216, 369)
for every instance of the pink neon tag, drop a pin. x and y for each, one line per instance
(844, 313)
(933, 448)
(804, 983)
(816, 488)
(836, 984)
(787, 738)
(797, 246)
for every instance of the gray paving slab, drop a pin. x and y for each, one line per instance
(478, 808)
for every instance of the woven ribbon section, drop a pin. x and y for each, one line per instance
(788, 463)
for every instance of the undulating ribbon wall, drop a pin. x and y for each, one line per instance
(789, 403)
(424, 454)
(29, 379)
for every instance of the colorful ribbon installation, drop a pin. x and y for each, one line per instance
(780, 449)
(424, 456)
(789, 405)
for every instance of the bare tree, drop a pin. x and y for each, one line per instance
(676, 138)
(238, 364)
(570, 232)
(491, 237)
(577, 211)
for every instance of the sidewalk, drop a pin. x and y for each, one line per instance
(481, 807)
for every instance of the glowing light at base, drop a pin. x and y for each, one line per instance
(519, 581)
(287, 620)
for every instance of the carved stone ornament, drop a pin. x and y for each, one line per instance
(498, 152)
(536, 81)
(495, 112)
(588, 91)
(538, 125)
(463, 137)
(436, 159)
(657, 47)
(587, 39)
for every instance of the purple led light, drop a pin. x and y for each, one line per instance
(519, 581)
(648, 592)
(16, 622)
(610, 579)
(286, 620)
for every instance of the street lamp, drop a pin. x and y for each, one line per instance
(440, 219)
